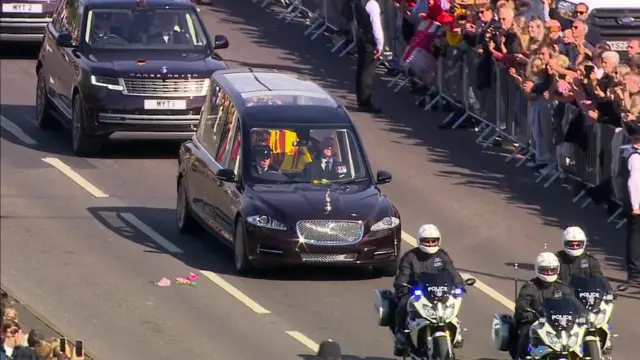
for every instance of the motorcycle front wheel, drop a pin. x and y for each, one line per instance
(441, 349)
(592, 350)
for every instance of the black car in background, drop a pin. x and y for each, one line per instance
(24, 21)
(125, 69)
(278, 172)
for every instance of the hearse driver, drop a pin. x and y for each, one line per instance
(262, 165)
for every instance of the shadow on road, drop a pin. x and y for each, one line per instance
(10, 51)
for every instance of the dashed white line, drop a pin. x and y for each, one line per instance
(147, 230)
(479, 284)
(239, 295)
(73, 175)
(304, 340)
(16, 131)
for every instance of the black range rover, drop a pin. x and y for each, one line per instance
(125, 69)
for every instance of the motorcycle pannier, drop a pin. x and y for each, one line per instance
(501, 330)
(384, 306)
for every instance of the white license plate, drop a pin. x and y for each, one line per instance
(618, 45)
(22, 8)
(165, 104)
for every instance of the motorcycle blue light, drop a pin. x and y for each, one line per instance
(417, 292)
(457, 291)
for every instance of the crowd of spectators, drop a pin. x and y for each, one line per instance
(554, 59)
(19, 343)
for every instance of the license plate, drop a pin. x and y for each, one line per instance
(22, 8)
(165, 104)
(618, 45)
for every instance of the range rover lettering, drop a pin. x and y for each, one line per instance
(24, 21)
(277, 171)
(125, 69)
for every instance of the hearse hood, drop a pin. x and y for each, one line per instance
(154, 65)
(291, 203)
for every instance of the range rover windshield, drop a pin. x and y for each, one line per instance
(145, 28)
(305, 155)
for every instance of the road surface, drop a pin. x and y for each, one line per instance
(83, 239)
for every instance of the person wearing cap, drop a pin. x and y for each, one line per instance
(325, 166)
(428, 257)
(167, 22)
(262, 164)
(102, 28)
(329, 350)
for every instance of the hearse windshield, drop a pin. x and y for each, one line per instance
(306, 155)
(145, 28)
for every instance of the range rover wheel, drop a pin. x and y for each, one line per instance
(243, 264)
(187, 224)
(44, 117)
(83, 144)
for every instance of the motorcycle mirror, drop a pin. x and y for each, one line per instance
(622, 287)
(470, 281)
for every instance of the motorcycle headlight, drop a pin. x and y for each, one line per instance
(449, 312)
(266, 222)
(573, 341)
(386, 224)
(600, 318)
(553, 341)
(429, 312)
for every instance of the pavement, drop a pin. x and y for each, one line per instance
(83, 240)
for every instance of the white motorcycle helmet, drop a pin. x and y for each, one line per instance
(429, 238)
(547, 267)
(574, 241)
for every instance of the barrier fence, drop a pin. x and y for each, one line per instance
(501, 110)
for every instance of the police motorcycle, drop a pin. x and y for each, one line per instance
(432, 310)
(593, 295)
(558, 334)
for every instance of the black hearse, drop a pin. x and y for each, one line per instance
(125, 68)
(278, 172)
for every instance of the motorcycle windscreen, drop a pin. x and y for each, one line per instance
(562, 313)
(436, 285)
(589, 290)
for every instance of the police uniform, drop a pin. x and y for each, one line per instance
(532, 296)
(369, 39)
(630, 173)
(413, 263)
(584, 265)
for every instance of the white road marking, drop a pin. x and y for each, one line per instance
(304, 340)
(161, 240)
(478, 285)
(239, 295)
(16, 131)
(77, 178)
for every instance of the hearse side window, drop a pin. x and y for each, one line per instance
(214, 101)
(60, 16)
(227, 144)
(205, 125)
(213, 124)
(234, 159)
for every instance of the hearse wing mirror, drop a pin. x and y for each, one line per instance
(65, 40)
(226, 175)
(383, 177)
(220, 42)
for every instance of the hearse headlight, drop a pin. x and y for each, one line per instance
(110, 83)
(266, 222)
(386, 224)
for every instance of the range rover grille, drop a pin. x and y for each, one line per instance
(330, 232)
(165, 87)
(328, 258)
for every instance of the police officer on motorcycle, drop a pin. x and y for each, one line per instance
(574, 260)
(532, 295)
(427, 257)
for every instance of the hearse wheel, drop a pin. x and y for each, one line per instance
(187, 224)
(83, 144)
(44, 117)
(243, 264)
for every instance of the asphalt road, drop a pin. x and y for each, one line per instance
(88, 262)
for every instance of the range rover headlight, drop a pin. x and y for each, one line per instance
(266, 222)
(110, 83)
(386, 224)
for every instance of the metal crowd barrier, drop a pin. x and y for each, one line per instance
(501, 108)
